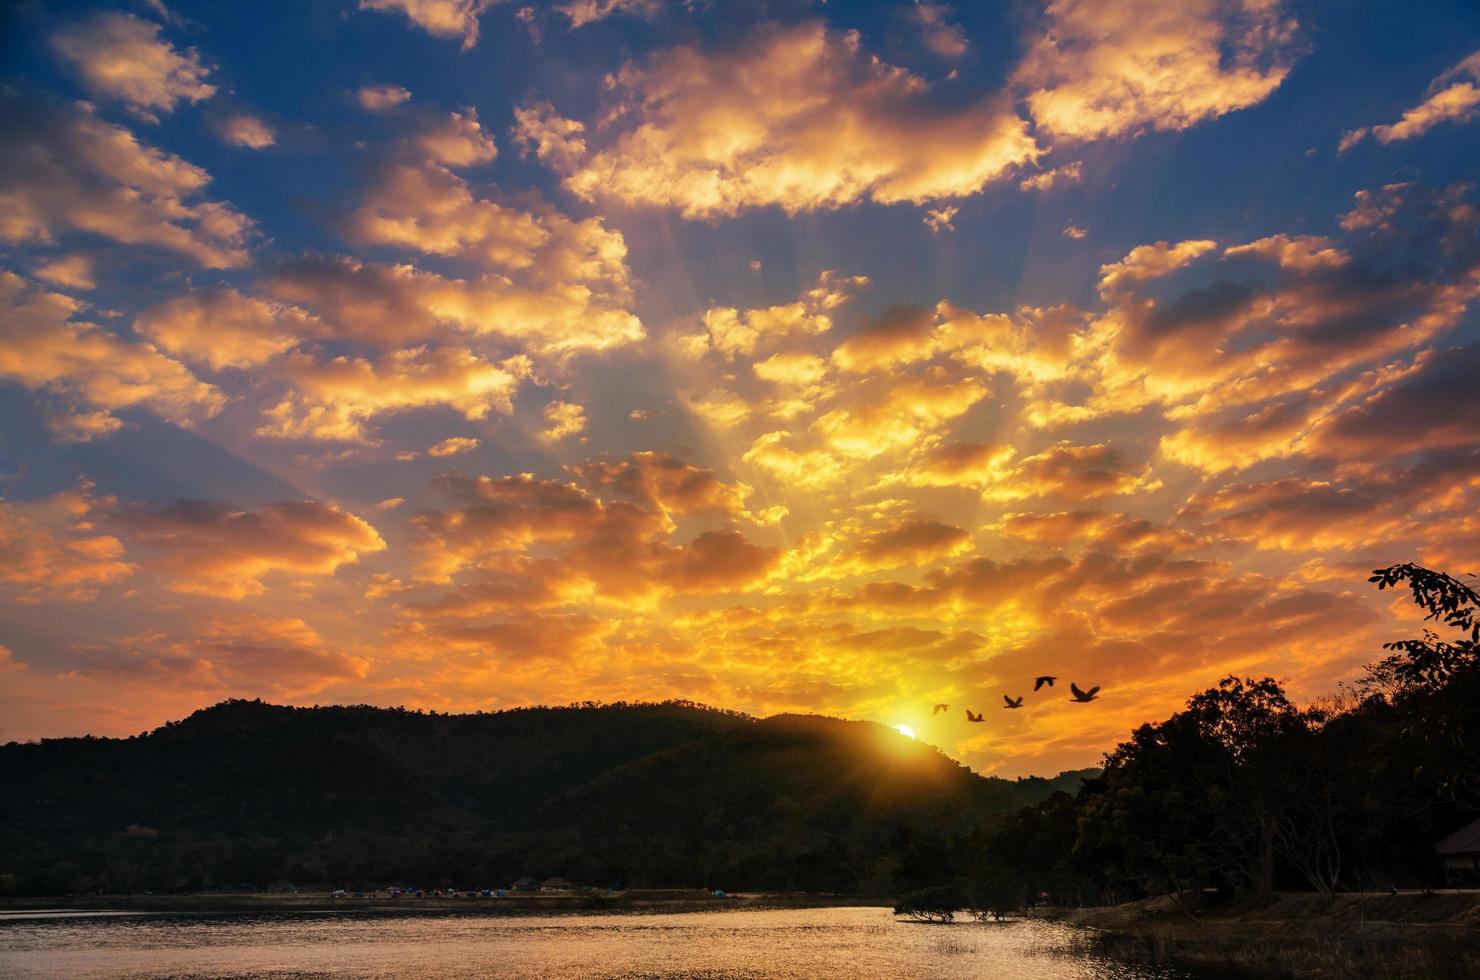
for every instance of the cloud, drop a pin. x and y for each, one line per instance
(51, 548)
(663, 482)
(1069, 173)
(378, 98)
(797, 117)
(246, 130)
(583, 12)
(615, 551)
(68, 271)
(563, 419)
(943, 38)
(1108, 530)
(732, 331)
(241, 654)
(1452, 97)
(1435, 406)
(334, 399)
(121, 58)
(212, 548)
(452, 445)
(1101, 69)
(48, 349)
(1145, 262)
(223, 328)
(439, 18)
(903, 334)
(64, 169)
(911, 541)
(1070, 472)
(385, 305)
(940, 219)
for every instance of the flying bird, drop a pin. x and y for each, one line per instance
(1040, 681)
(939, 708)
(972, 717)
(1082, 696)
(1010, 703)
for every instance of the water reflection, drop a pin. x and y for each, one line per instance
(791, 943)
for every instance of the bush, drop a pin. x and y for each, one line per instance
(938, 904)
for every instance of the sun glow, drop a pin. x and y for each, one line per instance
(904, 730)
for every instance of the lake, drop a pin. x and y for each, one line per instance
(719, 945)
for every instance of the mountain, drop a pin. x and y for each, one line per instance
(247, 793)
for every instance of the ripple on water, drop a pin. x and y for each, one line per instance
(862, 943)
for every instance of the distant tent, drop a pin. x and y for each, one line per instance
(1460, 852)
(556, 885)
(524, 885)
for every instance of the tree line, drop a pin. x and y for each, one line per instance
(1245, 792)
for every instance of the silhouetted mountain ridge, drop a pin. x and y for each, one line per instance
(673, 793)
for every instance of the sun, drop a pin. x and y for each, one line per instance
(904, 730)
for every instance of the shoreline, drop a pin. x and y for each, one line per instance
(1297, 935)
(643, 900)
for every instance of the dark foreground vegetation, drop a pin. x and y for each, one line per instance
(251, 796)
(1246, 794)
(1247, 835)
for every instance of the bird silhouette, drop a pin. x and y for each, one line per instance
(939, 708)
(1083, 697)
(1040, 681)
(972, 717)
(1010, 703)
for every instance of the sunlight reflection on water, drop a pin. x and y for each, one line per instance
(786, 943)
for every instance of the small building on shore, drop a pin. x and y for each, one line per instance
(556, 884)
(525, 884)
(1460, 855)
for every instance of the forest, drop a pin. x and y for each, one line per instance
(1243, 791)
(253, 796)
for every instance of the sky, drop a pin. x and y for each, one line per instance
(783, 356)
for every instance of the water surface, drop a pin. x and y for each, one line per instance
(864, 943)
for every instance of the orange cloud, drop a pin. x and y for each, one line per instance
(583, 12)
(64, 169)
(798, 117)
(223, 328)
(663, 482)
(47, 349)
(122, 58)
(215, 549)
(1103, 69)
(439, 18)
(52, 549)
(246, 130)
(239, 655)
(1452, 97)
(335, 399)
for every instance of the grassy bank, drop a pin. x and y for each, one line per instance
(653, 900)
(1306, 936)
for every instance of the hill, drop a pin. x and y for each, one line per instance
(246, 793)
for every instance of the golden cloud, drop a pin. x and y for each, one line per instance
(334, 399)
(1452, 97)
(223, 328)
(797, 116)
(1102, 69)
